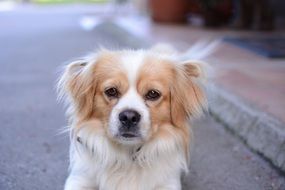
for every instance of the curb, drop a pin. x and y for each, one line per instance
(261, 132)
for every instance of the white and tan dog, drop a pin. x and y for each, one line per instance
(129, 114)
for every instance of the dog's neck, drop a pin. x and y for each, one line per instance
(100, 149)
(132, 149)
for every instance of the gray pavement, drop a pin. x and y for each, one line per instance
(33, 156)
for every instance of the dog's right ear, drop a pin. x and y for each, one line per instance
(77, 86)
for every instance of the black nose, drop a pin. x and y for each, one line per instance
(129, 118)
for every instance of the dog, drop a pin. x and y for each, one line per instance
(129, 114)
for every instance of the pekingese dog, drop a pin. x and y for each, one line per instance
(129, 116)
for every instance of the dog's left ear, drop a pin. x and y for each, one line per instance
(187, 95)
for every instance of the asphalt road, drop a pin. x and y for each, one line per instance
(34, 156)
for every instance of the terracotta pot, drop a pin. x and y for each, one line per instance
(169, 10)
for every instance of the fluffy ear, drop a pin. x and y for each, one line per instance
(187, 95)
(77, 86)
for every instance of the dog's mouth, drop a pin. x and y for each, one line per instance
(129, 135)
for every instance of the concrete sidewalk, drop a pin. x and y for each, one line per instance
(33, 154)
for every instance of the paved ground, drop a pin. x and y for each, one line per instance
(32, 154)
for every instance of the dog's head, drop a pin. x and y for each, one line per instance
(135, 95)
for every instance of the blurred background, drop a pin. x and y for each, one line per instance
(239, 144)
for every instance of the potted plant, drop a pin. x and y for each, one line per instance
(169, 10)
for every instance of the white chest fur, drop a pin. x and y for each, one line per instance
(97, 163)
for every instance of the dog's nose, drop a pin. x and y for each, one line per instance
(129, 118)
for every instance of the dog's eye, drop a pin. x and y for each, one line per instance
(152, 95)
(112, 92)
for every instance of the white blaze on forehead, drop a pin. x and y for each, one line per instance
(132, 62)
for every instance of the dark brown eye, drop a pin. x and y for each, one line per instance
(152, 95)
(112, 92)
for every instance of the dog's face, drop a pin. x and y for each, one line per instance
(133, 94)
